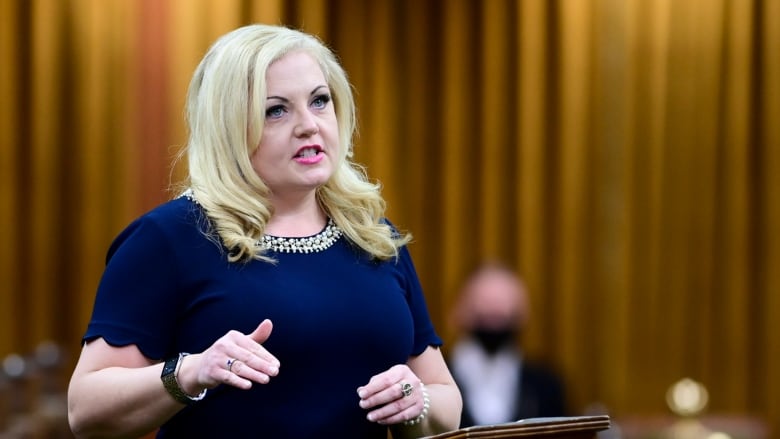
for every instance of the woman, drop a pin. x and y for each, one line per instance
(271, 298)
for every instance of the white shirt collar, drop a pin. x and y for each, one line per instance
(488, 383)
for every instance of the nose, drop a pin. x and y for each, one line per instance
(306, 125)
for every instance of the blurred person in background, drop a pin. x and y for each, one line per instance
(497, 382)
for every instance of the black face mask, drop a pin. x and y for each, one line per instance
(492, 340)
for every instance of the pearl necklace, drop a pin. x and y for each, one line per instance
(308, 244)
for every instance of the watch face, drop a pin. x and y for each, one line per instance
(170, 366)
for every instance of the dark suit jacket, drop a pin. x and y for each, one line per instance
(541, 395)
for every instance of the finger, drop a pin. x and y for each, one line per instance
(254, 362)
(240, 372)
(256, 357)
(232, 376)
(381, 382)
(397, 411)
(390, 393)
(262, 332)
(268, 362)
(377, 393)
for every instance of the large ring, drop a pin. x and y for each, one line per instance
(230, 362)
(406, 388)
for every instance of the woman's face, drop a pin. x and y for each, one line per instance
(299, 146)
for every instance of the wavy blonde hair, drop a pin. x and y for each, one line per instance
(225, 113)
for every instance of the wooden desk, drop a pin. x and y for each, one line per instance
(577, 427)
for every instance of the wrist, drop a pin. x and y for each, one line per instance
(170, 379)
(426, 405)
(186, 376)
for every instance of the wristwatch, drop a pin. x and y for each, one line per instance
(169, 377)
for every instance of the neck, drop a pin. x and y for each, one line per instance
(296, 217)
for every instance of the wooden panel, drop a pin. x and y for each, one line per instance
(532, 193)
(457, 130)
(381, 144)
(45, 188)
(11, 117)
(737, 283)
(612, 207)
(769, 187)
(570, 219)
(497, 143)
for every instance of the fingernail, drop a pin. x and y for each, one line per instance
(362, 393)
(274, 370)
(370, 417)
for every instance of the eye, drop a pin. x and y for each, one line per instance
(321, 101)
(275, 112)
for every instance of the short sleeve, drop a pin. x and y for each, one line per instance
(424, 332)
(136, 301)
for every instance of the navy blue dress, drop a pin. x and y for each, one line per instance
(339, 318)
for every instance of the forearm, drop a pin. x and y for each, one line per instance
(443, 413)
(119, 402)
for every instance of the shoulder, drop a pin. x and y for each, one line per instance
(169, 216)
(173, 221)
(175, 210)
(395, 232)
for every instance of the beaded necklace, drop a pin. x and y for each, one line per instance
(307, 244)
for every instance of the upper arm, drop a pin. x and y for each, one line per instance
(430, 367)
(97, 355)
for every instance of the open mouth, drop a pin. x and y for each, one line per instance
(309, 151)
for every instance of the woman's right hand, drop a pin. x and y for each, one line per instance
(235, 359)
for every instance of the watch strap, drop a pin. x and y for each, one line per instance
(169, 377)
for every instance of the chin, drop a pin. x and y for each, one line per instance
(319, 178)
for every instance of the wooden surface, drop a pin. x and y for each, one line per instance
(578, 427)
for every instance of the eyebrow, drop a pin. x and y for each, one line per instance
(283, 99)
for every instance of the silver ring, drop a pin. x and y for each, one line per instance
(230, 362)
(406, 388)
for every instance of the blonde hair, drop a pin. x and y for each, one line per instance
(225, 109)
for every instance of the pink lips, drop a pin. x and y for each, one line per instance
(309, 155)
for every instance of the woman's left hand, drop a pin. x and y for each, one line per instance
(393, 396)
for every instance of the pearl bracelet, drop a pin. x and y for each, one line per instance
(426, 406)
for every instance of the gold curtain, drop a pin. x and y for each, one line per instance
(624, 155)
